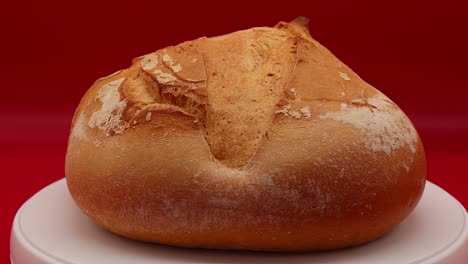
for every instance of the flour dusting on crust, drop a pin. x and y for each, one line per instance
(306, 111)
(109, 117)
(175, 67)
(344, 76)
(148, 116)
(78, 130)
(149, 61)
(164, 77)
(384, 129)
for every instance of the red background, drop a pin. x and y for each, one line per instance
(52, 51)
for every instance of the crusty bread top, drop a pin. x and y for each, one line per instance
(236, 87)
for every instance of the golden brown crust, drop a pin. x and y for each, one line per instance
(260, 139)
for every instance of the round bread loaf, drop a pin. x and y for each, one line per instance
(260, 139)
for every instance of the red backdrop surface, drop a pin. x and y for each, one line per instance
(52, 51)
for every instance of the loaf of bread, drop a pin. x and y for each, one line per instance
(260, 139)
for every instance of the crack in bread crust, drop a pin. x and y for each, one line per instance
(234, 108)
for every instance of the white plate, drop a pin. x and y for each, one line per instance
(49, 228)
